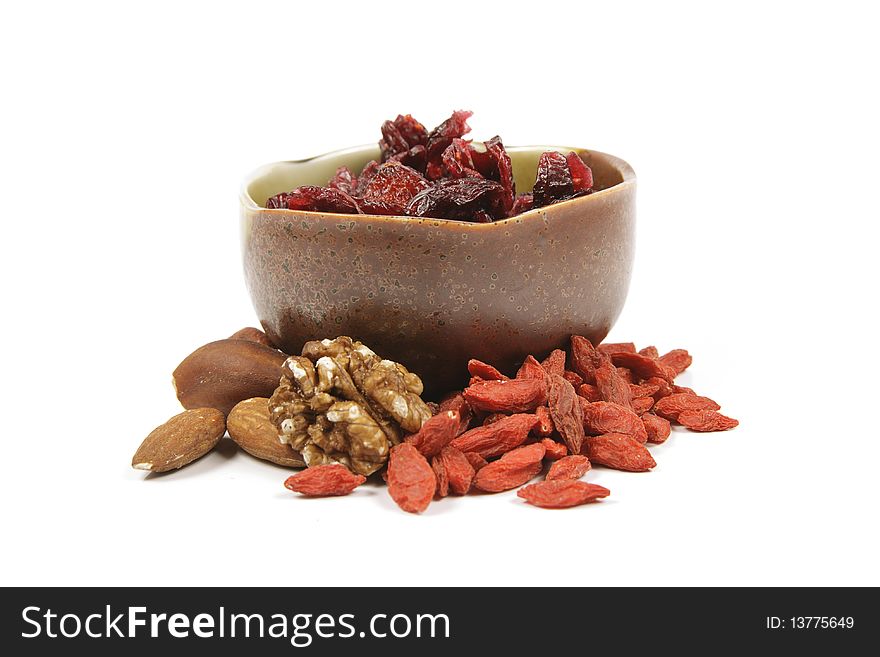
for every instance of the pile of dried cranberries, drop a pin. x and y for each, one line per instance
(594, 406)
(438, 174)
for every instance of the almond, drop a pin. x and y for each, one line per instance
(223, 373)
(252, 335)
(249, 426)
(181, 440)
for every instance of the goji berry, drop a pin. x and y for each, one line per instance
(525, 455)
(642, 405)
(324, 481)
(619, 451)
(456, 402)
(643, 367)
(589, 392)
(569, 467)
(555, 362)
(583, 358)
(658, 428)
(411, 479)
(436, 433)
(664, 388)
(531, 369)
(497, 438)
(544, 426)
(672, 406)
(512, 470)
(477, 462)
(439, 469)
(643, 390)
(706, 420)
(459, 471)
(613, 387)
(562, 494)
(492, 418)
(677, 359)
(513, 396)
(605, 417)
(554, 450)
(603, 410)
(485, 371)
(566, 411)
(610, 348)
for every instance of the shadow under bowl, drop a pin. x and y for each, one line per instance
(432, 293)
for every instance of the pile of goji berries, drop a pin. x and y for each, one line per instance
(597, 406)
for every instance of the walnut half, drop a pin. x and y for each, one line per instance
(340, 402)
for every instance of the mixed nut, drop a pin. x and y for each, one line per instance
(344, 413)
(341, 403)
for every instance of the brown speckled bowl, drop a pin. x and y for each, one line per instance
(432, 293)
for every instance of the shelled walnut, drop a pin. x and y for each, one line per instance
(339, 402)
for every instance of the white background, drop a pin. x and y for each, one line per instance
(753, 130)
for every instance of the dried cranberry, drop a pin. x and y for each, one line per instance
(378, 207)
(560, 178)
(416, 158)
(343, 180)
(494, 164)
(318, 199)
(365, 177)
(400, 136)
(581, 175)
(392, 141)
(394, 184)
(413, 131)
(523, 203)
(460, 199)
(440, 175)
(440, 138)
(278, 202)
(458, 160)
(462, 160)
(553, 181)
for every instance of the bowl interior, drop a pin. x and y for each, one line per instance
(285, 176)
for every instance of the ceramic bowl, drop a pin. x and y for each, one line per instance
(432, 293)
